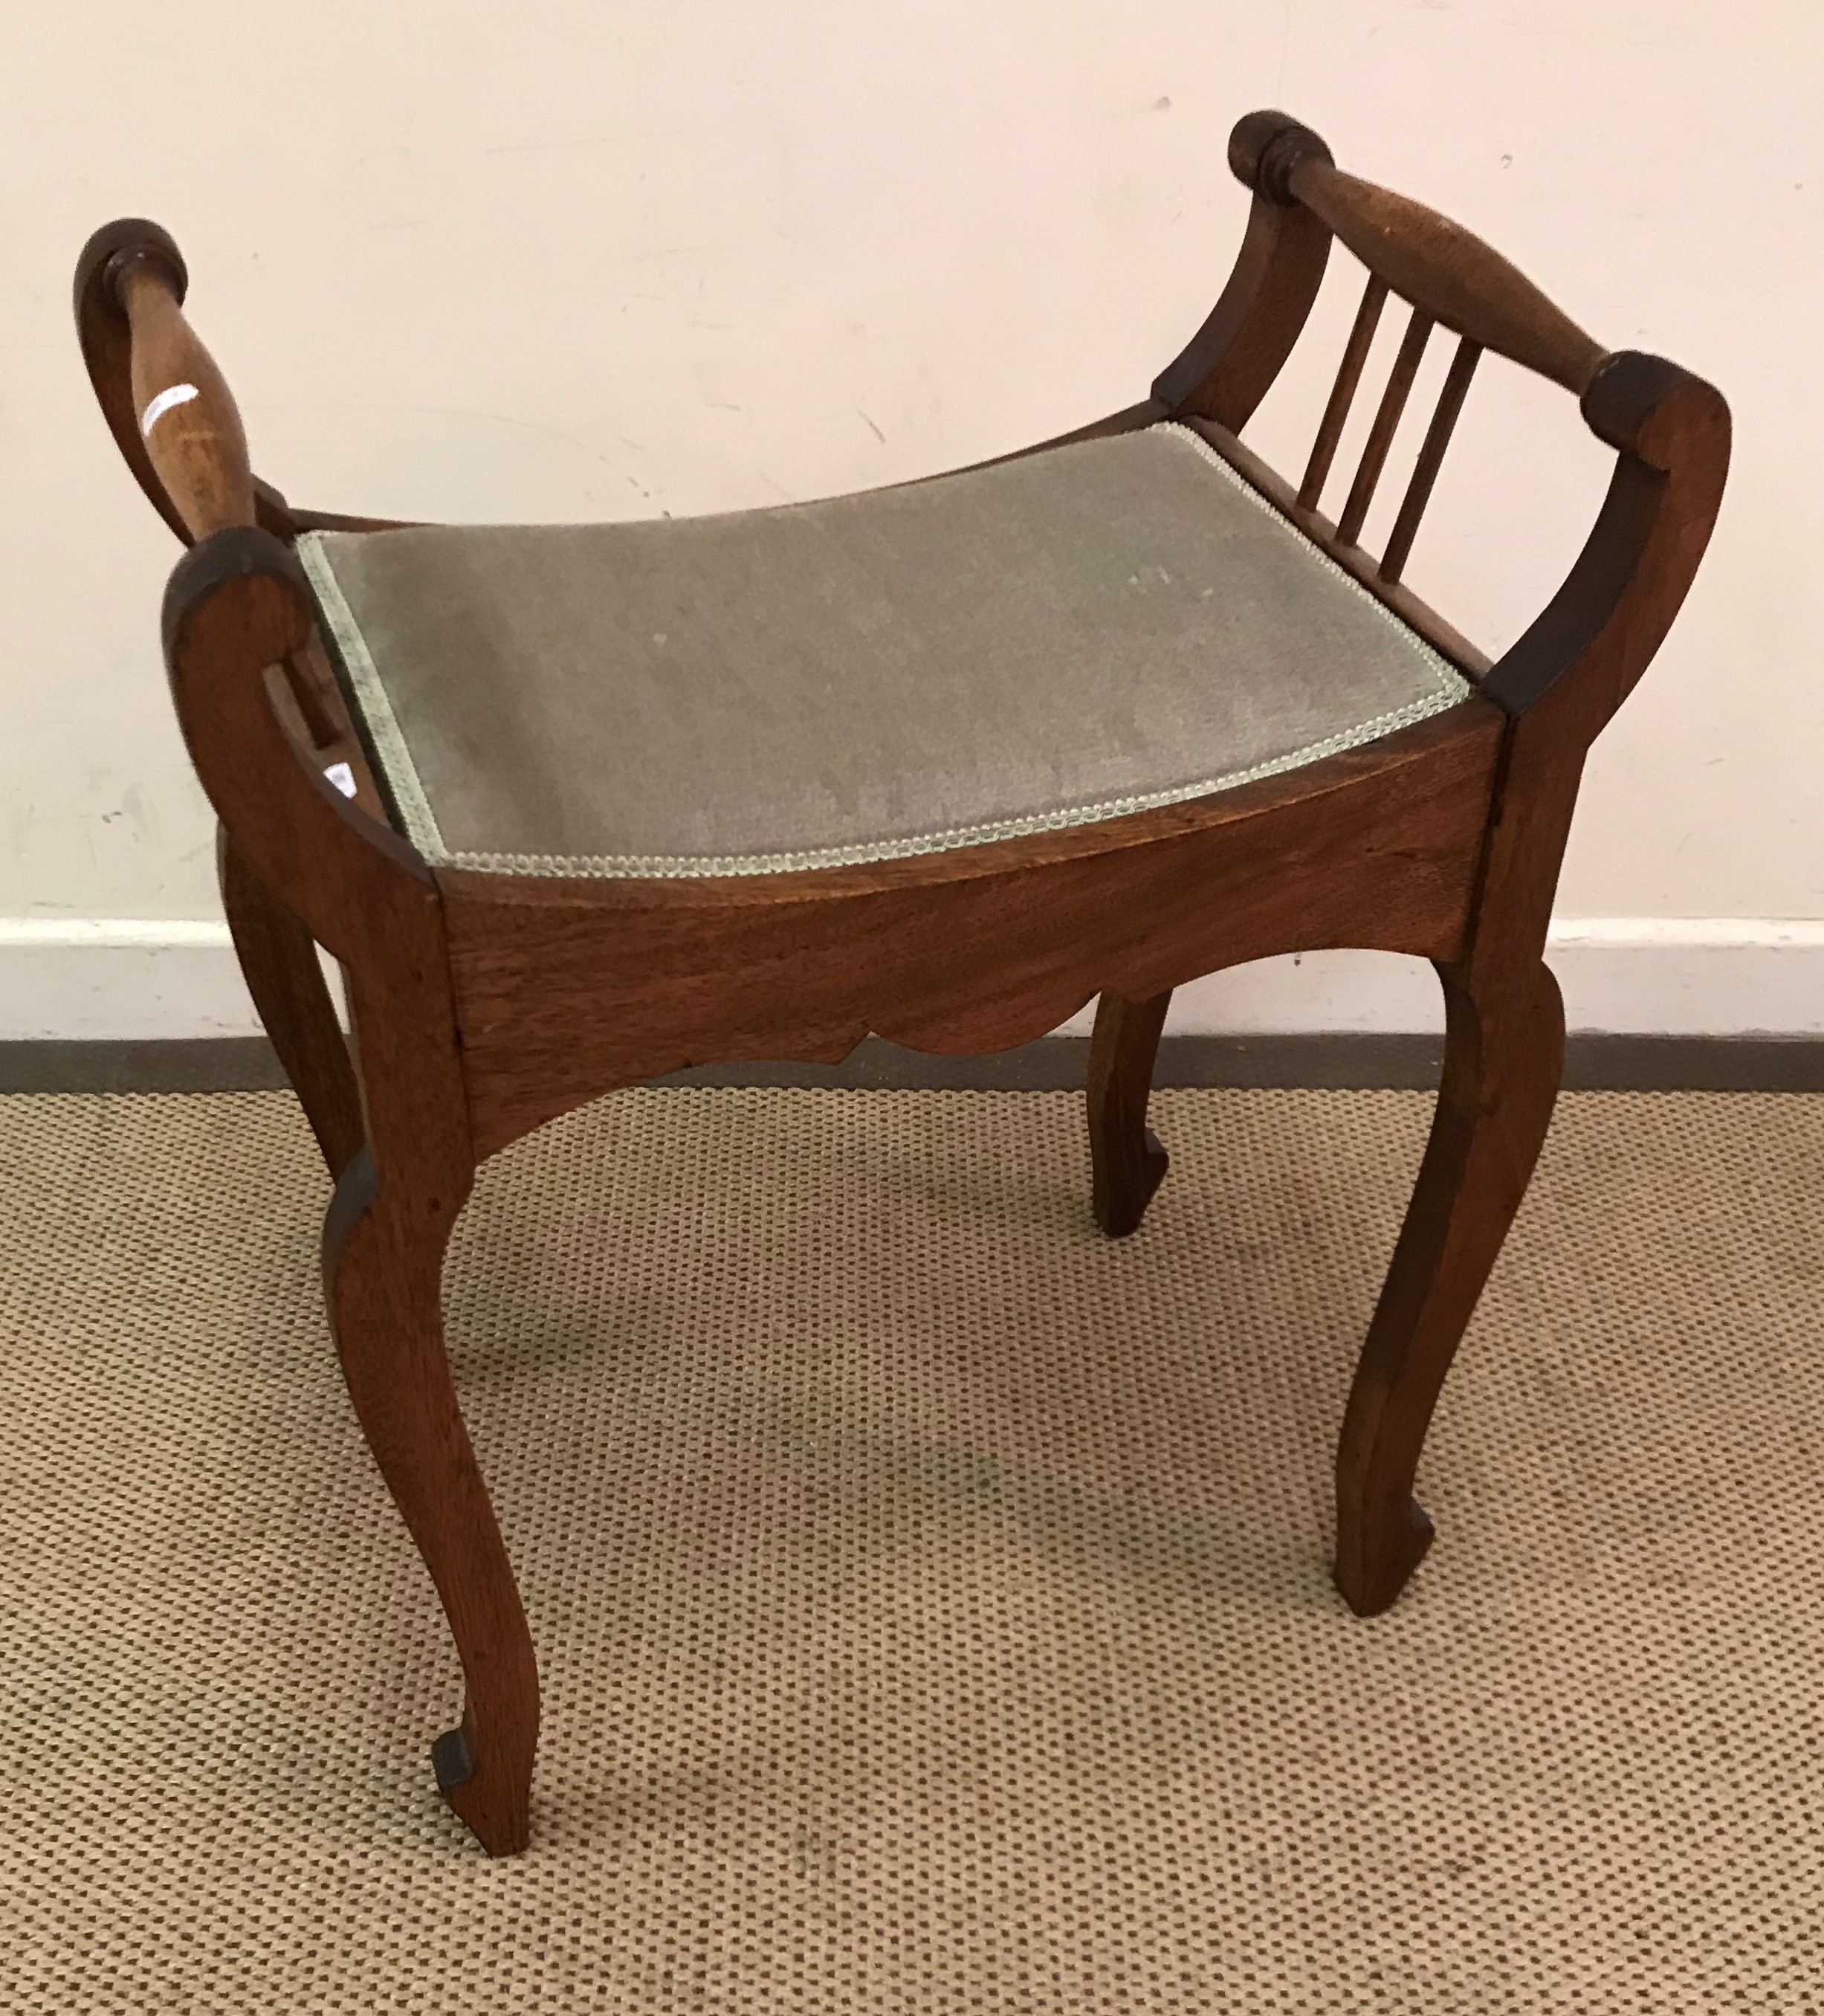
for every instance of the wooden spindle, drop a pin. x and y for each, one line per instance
(1323, 449)
(1381, 437)
(1450, 403)
(187, 415)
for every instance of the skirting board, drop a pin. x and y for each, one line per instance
(1723, 1003)
(1593, 1062)
(137, 980)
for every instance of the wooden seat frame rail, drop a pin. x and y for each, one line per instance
(483, 1005)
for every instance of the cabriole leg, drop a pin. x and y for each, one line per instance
(1504, 1056)
(1127, 1162)
(383, 1270)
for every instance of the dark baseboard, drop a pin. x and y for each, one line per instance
(202, 1064)
(1593, 1062)
(1058, 1064)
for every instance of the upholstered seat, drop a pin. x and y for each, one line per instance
(1093, 630)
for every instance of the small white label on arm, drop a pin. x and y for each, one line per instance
(342, 777)
(156, 409)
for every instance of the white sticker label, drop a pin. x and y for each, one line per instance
(156, 409)
(342, 777)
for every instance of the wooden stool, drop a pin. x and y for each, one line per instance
(576, 806)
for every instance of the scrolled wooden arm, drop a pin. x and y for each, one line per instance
(1225, 370)
(1599, 633)
(238, 614)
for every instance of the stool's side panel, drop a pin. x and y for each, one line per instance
(565, 990)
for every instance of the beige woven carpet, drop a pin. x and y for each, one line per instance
(931, 1597)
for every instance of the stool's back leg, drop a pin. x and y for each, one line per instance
(1127, 1162)
(279, 962)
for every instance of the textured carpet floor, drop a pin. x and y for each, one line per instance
(930, 1595)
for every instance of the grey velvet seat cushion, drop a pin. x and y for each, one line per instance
(1095, 630)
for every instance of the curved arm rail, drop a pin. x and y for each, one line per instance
(1672, 430)
(1225, 370)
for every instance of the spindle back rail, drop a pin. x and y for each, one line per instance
(1447, 278)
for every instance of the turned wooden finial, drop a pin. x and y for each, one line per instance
(1265, 147)
(168, 406)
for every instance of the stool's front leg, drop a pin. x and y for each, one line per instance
(1504, 1055)
(383, 1268)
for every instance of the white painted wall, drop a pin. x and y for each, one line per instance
(561, 259)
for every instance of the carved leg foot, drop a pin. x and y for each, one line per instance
(1504, 1056)
(279, 961)
(1127, 1162)
(382, 1266)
